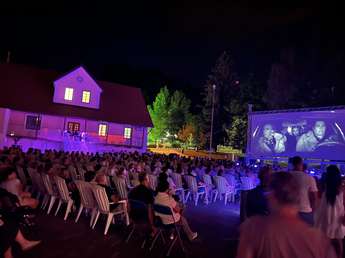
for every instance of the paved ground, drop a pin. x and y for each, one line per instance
(216, 224)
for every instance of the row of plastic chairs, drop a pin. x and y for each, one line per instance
(93, 197)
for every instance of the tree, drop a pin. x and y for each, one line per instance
(237, 133)
(159, 112)
(178, 113)
(225, 80)
(187, 134)
(169, 113)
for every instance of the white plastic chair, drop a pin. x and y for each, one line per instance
(177, 178)
(50, 192)
(121, 187)
(35, 187)
(195, 190)
(87, 200)
(153, 181)
(104, 207)
(22, 176)
(224, 188)
(210, 188)
(64, 196)
(73, 172)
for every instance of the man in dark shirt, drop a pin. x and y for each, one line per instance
(144, 195)
(256, 203)
(142, 192)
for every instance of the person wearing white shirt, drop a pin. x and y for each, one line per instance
(308, 191)
(164, 198)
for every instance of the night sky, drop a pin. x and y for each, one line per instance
(148, 45)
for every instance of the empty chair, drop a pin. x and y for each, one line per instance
(64, 196)
(103, 207)
(42, 189)
(210, 188)
(121, 187)
(153, 181)
(195, 190)
(224, 189)
(87, 200)
(50, 192)
(177, 178)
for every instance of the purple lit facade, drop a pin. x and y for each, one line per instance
(82, 114)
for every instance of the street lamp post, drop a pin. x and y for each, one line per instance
(212, 115)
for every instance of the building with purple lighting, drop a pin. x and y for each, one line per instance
(72, 112)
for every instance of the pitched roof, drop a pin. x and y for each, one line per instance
(30, 89)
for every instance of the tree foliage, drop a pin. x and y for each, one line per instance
(225, 80)
(169, 113)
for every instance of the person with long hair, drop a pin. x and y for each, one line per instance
(330, 216)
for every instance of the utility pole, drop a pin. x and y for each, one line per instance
(212, 115)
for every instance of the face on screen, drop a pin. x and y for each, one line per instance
(319, 129)
(268, 131)
(295, 131)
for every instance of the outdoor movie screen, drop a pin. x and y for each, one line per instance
(310, 134)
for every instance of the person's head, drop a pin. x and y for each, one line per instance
(295, 131)
(319, 129)
(332, 183)
(220, 172)
(297, 163)
(265, 175)
(268, 131)
(7, 173)
(285, 191)
(163, 186)
(144, 179)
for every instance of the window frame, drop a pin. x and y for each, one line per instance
(100, 131)
(68, 94)
(126, 136)
(73, 125)
(89, 96)
(37, 125)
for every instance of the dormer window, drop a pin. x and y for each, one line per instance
(86, 96)
(68, 93)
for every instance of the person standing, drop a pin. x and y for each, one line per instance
(308, 191)
(282, 234)
(329, 217)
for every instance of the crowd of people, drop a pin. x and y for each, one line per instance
(290, 214)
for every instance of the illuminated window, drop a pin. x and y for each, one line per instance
(33, 122)
(68, 93)
(86, 96)
(128, 133)
(73, 127)
(102, 129)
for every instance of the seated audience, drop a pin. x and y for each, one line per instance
(282, 233)
(12, 184)
(9, 234)
(164, 198)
